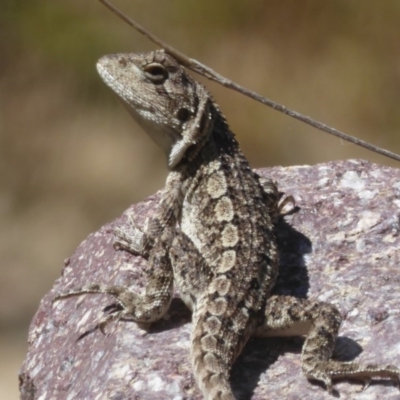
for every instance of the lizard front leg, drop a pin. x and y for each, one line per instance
(148, 307)
(153, 244)
(319, 322)
(141, 242)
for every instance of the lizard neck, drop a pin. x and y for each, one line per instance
(217, 144)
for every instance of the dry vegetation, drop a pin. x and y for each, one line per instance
(71, 159)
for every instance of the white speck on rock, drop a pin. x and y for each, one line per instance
(323, 182)
(127, 267)
(122, 370)
(337, 202)
(84, 319)
(389, 238)
(352, 180)
(71, 396)
(327, 295)
(349, 219)
(396, 185)
(367, 221)
(138, 385)
(397, 202)
(155, 383)
(367, 194)
(323, 169)
(376, 174)
(43, 396)
(337, 237)
(353, 313)
(360, 246)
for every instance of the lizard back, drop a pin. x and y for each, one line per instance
(226, 215)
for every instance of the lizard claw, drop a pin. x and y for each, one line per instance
(366, 382)
(114, 315)
(286, 205)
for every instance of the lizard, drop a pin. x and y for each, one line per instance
(212, 236)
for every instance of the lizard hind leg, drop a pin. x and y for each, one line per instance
(319, 322)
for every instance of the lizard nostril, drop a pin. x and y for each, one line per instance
(122, 61)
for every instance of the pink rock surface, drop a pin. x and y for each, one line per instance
(341, 246)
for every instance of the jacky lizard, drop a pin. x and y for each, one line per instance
(212, 235)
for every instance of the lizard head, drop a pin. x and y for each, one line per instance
(163, 99)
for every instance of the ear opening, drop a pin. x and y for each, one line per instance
(194, 133)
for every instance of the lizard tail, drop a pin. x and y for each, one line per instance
(213, 351)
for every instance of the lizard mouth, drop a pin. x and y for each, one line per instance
(125, 92)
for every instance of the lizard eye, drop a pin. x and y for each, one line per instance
(157, 73)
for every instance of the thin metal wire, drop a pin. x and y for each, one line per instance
(209, 73)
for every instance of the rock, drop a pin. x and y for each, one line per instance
(342, 246)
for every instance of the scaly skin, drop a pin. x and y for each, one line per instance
(212, 235)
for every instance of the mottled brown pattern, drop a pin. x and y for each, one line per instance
(224, 263)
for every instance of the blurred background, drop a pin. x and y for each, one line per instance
(71, 158)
